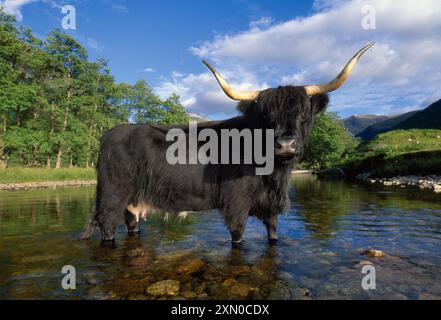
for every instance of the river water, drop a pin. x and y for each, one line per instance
(320, 255)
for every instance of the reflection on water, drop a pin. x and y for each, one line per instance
(319, 257)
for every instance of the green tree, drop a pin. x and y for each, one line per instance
(146, 107)
(55, 103)
(174, 111)
(2, 154)
(329, 142)
(71, 59)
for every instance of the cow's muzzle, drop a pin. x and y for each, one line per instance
(285, 147)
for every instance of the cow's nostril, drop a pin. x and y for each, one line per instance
(278, 145)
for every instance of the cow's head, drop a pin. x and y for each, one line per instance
(289, 110)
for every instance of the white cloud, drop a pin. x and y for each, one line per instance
(200, 93)
(148, 70)
(93, 44)
(401, 71)
(261, 23)
(13, 7)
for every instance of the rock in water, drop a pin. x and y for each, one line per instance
(191, 266)
(238, 270)
(135, 253)
(240, 289)
(374, 253)
(164, 288)
(190, 295)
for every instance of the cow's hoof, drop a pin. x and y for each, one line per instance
(133, 233)
(236, 244)
(273, 242)
(108, 244)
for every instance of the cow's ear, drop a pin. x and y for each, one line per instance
(319, 102)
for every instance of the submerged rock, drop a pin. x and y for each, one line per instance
(240, 289)
(238, 270)
(214, 275)
(190, 295)
(229, 282)
(280, 290)
(164, 288)
(191, 266)
(174, 256)
(374, 253)
(135, 253)
(203, 296)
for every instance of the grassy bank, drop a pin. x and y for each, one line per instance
(397, 153)
(17, 175)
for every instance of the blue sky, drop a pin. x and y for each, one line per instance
(135, 35)
(258, 44)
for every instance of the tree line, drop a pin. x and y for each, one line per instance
(55, 103)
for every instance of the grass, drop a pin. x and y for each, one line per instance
(400, 152)
(19, 174)
(399, 142)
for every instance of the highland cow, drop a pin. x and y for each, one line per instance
(134, 177)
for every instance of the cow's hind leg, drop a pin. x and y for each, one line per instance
(132, 223)
(271, 227)
(110, 212)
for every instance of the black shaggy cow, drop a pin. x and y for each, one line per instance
(134, 177)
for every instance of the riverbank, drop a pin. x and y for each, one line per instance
(18, 178)
(23, 186)
(21, 175)
(432, 182)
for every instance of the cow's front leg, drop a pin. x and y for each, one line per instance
(237, 224)
(271, 227)
(236, 215)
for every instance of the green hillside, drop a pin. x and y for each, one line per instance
(400, 152)
(402, 141)
(429, 118)
(384, 126)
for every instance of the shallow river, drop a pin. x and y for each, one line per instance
(320, 255)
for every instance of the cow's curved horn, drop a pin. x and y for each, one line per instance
(232, 93)
(341, 78)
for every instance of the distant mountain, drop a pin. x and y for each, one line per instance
(197, 117)
(384, 126)
(358, 123)
(429, 118)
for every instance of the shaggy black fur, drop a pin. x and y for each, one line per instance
(133, 168)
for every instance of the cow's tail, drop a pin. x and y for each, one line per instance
(90, 226)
